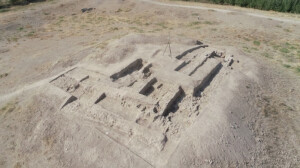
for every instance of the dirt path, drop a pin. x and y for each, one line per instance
(223, 11)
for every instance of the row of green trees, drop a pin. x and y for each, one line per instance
(292, 6)
(7, 3)
(22, 2)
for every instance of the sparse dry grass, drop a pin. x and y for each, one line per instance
(123, 21)
(8, 108)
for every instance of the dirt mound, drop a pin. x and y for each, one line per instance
(145, 100)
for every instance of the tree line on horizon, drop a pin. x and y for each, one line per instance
(291, 6)
(8, 3)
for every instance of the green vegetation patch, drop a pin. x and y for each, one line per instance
(4, 10)
(6, 4)
(194, 23)
(297, 69)
(284, 50)
(8, 108)
(23, 2)
(265, 54)
(3, 75)
(286, 65)
(208, 22)
(257, 43)
(30, 34)
(162, 24)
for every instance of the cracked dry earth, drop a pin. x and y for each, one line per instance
(195, 105)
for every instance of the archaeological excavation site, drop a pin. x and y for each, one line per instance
(145, 102)
(148, 84)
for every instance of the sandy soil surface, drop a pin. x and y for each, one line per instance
(140, 83)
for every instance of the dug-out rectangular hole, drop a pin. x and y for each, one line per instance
(134, 66)
(173, 104)
(100, 98)
(148, 88)
(207, 80)
(182, 65)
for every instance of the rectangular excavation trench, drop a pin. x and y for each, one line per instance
(68, 100)
(198, 66)
(182, 65)
(172, 104)
(134, 66)
(146, 71)
(191, 66)
(100, 98)
(148, 88)
(207, 80)
(189, 51)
